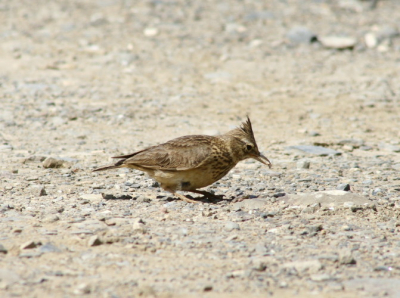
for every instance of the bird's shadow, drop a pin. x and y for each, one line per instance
(109, 197)
(211, 199)
(214, 199)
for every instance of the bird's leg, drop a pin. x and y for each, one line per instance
(240, 199)
(206, 194)
(183, 198)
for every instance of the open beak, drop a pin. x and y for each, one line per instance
(261, 158)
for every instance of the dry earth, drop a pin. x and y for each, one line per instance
(85, 80)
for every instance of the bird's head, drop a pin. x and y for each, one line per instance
(245, 144)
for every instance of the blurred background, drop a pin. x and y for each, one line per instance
(114, 75)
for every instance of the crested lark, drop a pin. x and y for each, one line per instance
(191, 162)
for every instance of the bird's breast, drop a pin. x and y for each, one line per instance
(190, 179)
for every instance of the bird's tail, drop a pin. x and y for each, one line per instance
(106, 168)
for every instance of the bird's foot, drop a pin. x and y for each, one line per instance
(209, 195)
(184, 198)
(240, 199)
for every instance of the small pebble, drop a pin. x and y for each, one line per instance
(346, 258)
(314, 150)
(82, 289)
(303, 164)
(51, 218)
(51, 162)
(343, 186)
(94, 241)
(301, 34)
(3, 250)
(139, 226)
(230, 226)
(338, 42)
(29, 244)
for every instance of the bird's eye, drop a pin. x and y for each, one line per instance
(249, 147)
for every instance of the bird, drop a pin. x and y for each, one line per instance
(191, 162)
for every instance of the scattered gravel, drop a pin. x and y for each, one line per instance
(87, 80)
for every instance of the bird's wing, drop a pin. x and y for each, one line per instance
(179, 154)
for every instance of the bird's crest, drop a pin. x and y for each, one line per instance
(247, 129)
(244, 132)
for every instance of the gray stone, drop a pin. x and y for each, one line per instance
(139, 226)
(343, 187)
(377, 191)
(387, 32)
(94, 198)
(268, 214)
(8, 278)
(29, 244)
(365, 148)
(183, 231)
(261, 249)
(338, 42)
(6, 148)
(117, 221)
(77, 219)
(328, 198)
(279, 194)
(313, 150)
(42, 192)
(51, 218)
(207, 288)
(82, 289)
(389, 147)
(238, 274)
(57, 121)
(300, 34)
(346, 228)
(33, 158)
(314, 229)
(49, 247)
(271, 173)
(94, 241)
(396, 166)
(81, 232)
(30, 254)
(259, 265)
(218, 76)
(303, 164)
(51, 162)
(371, 40)
(32, 178)
(146, 291)
(3, 250)
(311, 209)
(251, 204)
(230, 226)
(355, 143)
(310, 266)
(259, 15)
(283, 284)
(383, 268)
(321, 277)
(346, 258)
(314, 133)
(91, 224)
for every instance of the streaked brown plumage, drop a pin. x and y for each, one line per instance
(195, 161)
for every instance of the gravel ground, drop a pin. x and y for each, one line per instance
(82, 81)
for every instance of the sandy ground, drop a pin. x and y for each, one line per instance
(81, 81)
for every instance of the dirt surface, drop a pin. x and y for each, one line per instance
(81, 81)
